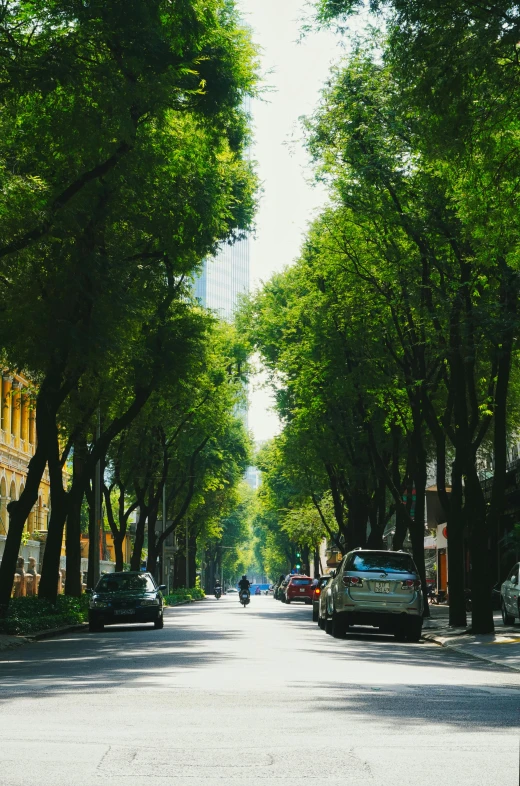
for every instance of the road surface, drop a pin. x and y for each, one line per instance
(226, 695)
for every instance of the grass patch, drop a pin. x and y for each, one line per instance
(183, 594)
(29, 615)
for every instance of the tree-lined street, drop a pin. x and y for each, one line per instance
(259, 695)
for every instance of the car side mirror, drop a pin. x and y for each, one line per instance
(162, 586)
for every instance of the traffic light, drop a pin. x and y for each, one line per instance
(298, 561)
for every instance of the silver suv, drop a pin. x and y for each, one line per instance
(379, 588)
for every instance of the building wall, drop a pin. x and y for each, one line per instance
(224, 278)
(17, 446)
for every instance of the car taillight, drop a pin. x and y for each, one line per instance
(352, 581)
(411, 584)
(317, 591)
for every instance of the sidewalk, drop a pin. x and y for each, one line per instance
(501, 648)
(11, 642)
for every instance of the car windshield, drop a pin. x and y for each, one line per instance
(140, 583)
(300, 582)
(383, 561)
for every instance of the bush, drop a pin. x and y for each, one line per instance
(182, 594)
(29, 615)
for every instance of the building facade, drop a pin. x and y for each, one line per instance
(17, 446)
(224, 279)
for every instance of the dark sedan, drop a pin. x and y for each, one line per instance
(126, 597)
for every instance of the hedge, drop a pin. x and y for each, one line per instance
(29, 615)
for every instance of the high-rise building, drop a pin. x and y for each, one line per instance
(224, 278)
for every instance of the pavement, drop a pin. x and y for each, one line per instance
(501, 647)
(257, 697)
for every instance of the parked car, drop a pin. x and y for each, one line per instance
(325, 601)
(231, 591)
(128, 596)
(510, 596)
(377, 588)
(299, 588)
(318, 586)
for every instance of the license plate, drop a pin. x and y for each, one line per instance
(381, 586)
(302, 589)
(124, 611)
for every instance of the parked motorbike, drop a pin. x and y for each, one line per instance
(218, 592)
(244, 598)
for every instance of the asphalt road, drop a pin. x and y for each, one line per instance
(226, 695)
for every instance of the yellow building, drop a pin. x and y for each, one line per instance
(17, 446)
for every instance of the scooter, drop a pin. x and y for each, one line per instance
(244, 598)
(218, 592)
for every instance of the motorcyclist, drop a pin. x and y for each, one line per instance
(218, 588)
(243, 585)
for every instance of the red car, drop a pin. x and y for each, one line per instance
(299, 588)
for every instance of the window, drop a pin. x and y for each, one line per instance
(300, 582)
(114, 583)
(386, 562)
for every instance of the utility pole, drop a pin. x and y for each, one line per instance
(97, 507)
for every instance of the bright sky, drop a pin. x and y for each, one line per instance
(295, 72)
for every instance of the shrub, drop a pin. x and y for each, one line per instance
(182, 594)
(29, 615)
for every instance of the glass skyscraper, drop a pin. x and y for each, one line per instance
(224, 278)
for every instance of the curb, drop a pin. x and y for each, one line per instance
(19, 641)
(446, 643)
(47, 634)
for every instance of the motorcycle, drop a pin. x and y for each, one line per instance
(218, 592)
(244, 598)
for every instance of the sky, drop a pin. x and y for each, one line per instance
(295, 72)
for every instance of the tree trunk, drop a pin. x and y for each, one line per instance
(91, 532)
(118, 551)
(455, 527)
(358, 519)
(317, 566)
(417, 530)
(481, 602)
(378, 521)
(135, 562)
(73, 580)
(179, 570)
(153, 551)
(48, 587)
(192, 559)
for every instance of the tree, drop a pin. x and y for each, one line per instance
(124, 169)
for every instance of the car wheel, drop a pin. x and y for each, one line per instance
(159, 623)
(315, 615)
(414, 631)
(338, 628)
(328, 627)
(287, 600)
(507, 618)
(96, 627)
(321, 623)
